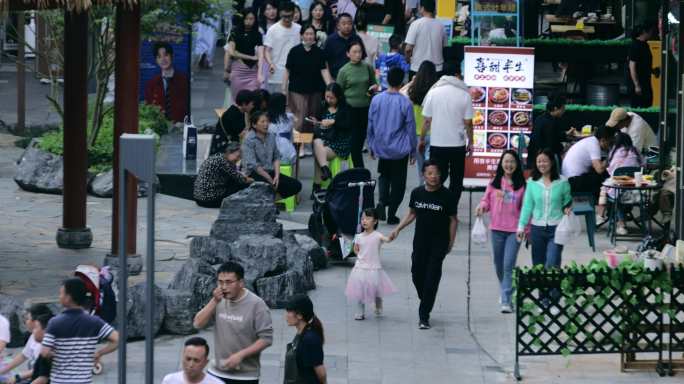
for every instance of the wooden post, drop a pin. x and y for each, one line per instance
(74, 233)
(21, 75)
(126, 121)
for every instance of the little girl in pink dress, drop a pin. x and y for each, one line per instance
(368, 282)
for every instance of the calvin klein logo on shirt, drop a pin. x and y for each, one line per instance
(430, 206)
(227, 317)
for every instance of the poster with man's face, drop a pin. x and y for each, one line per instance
(165, 74)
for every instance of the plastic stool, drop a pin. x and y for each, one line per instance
(290, 202)
(335, 166)
(586, 208)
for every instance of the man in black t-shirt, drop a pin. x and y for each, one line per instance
(232, 122)
(434, 209)
(640, 68)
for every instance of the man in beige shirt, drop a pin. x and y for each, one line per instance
(243, 327)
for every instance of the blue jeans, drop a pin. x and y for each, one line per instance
(544, 250)
(505, 247)
(421, 157)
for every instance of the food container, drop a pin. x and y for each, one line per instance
(498, 118)
(498, 95)
(521, 119)
(497, 140)
(477, 94)
(522, 96)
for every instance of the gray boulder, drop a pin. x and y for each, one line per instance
(251, 211)
(277, 290)
(40, 171)
(102, 185)
(210, 250)
(260, 256)
(13, 311)
(198, 278)
(135, 311)
(315, 252)
(298, 260)
(179, 312)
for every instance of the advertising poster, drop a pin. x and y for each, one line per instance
(165, 73)
(501, 81)
(382, 33)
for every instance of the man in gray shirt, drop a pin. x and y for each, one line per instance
(243, 327)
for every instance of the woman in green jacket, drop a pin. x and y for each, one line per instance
(547, 198)
(357, 80)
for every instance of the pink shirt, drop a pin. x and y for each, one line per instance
(503, 205)
(369, 250)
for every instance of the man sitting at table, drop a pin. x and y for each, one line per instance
(635, 126)
(582, 164)
(550, 131)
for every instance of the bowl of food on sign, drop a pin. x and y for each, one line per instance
(477, 94)
(522, 96)
(515, 140)
(498, 117)
(498, 95)
(478, 118)
(497, 140)
(521, 118)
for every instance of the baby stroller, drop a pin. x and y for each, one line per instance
(337, 211)
(101, 300)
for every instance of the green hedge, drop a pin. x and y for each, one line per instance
(101, 154)
(596, 108)
(542, 42)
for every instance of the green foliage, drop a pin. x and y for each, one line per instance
(176, 16)
(101, 154)
(543, 42)
(596, 108)
(591, 288)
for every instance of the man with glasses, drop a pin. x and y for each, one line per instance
(280, 38)
(243, 327)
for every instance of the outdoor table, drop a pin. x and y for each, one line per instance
(645, 192)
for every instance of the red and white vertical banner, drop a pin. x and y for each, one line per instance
(501, 83)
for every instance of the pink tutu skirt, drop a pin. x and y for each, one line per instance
(365, 285)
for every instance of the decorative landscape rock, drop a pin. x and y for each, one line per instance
(179, 316)
(198, 278)
(135, 311)
(102, 185)
(248, 212)
(40, 171)
(260, 256)
(13, 311)
(210, 250)
(277, 290)
(298, 260)
(315, 252)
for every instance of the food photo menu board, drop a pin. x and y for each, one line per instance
(500, 80)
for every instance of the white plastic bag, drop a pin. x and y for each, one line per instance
(567, 229)
(479, 233)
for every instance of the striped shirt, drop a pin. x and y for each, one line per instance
(73, 336)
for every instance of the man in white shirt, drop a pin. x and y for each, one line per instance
(195, 359)
(280, 38)
(425, 39)
(4, 334)
(448, 116)
(635, 126)
(582, 164)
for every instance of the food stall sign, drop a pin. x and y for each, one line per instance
(501, 82)
(501, 6)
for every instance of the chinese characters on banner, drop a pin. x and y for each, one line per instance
(501, 6)
(501, 82)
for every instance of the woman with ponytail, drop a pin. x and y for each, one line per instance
(304, 356)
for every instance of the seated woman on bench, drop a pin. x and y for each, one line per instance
(219, 177)
(332, 136)
(261, 159)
